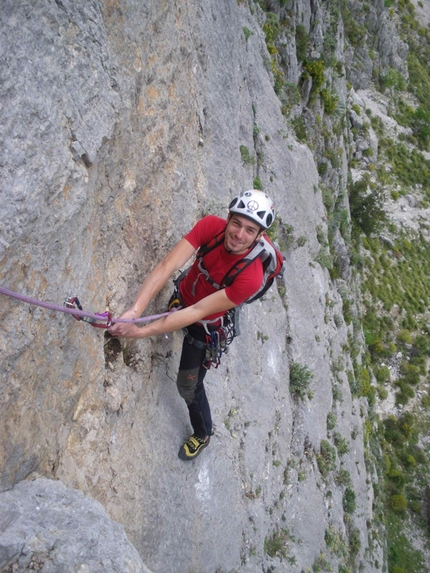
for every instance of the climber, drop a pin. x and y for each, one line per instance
(204, 305)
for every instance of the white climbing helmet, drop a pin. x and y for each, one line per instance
(255, 205)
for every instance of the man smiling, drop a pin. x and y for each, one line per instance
(205, 298)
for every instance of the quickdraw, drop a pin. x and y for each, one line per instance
(72, 301)
(217, 342)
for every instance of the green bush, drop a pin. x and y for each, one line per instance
(341, 444)
(300, 378)
(364, 379)
(420, 125)
(246, 155)
(315, 69)
(277, 544)
(326, 459)
(299, 128)
(398, 503)
(392, 431)
(258, 183)
(404, 336)
(415, 506)
(330, 100)
(322, 169)
(367, 207)
(247, 32)
(331, 421)
(393, 79)
(382, 392)
(397, 478)
(343, 477)
(382, 374)
(354, 541)
(271, 28)
(302, 40)
(348, 502)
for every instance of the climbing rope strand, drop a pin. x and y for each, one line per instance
(75, 311)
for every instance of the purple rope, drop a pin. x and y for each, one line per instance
(76, 312)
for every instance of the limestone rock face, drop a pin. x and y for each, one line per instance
(373, 33)
(123, 123)
(45, 526)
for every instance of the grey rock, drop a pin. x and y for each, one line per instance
(45, 526)
(122, 124)
(411, 201)
(342, 256)
(356, 120)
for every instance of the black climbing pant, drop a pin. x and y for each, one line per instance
(190, 381)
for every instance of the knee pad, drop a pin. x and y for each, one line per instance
(187, 383)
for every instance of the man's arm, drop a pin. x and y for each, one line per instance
(216, 302)
(154, 282)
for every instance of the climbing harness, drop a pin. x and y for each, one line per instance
(220, 332)
(217, 339)
(73, 306)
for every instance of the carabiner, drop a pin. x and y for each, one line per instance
(72, 301)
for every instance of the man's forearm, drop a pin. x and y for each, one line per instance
(217, 302)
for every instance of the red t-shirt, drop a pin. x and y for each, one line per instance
(217, 262)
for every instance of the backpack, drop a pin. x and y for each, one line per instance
(272, 259)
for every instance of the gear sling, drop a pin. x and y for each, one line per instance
(218, 338)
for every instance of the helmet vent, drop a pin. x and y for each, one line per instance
(241, 205)
(261, 214)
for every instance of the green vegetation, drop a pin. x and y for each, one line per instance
(367, 205)
(277, 545)
(326, 459)
(321, 564)
(330, 100)
(258, 183)
(331, 421)
(355, 32)
(246, 156)
(341, 444)
(408, 167)
(391, 264)
(300, 378)
(315, 69)
(248, 33)
(302, 42)
(348, 501)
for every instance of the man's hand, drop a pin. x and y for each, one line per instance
(125, 329)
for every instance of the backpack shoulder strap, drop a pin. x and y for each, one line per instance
(255, 253)
(211, 245)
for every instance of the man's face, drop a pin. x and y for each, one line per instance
(240, 233)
